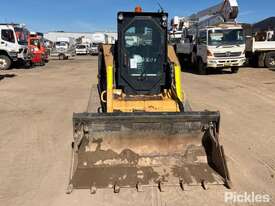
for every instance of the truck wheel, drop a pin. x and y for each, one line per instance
(42, 63)
(270, 60)
(29, 64)
(202, 68)
(61, 56)
(261, 60)
(234, 70)
(5, 62)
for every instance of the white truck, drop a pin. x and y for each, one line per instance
(13, 45)
(260, 49)
(97, 39)
(211, 38)
(63, 48)
(82, 49)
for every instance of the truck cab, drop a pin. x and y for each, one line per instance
(220, 47)
(94, 49)
(63, 48)
(260, 49)
(81, 49)
(13, 45)
(38, 49)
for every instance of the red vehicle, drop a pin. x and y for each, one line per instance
(38, 49)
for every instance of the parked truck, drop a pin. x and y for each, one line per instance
(97, 39)
(13, 45)
(211, 38)
(63, 48)
(37, 48)
(82, 49)
(260, 49)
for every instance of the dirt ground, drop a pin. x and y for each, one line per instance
(36, 108)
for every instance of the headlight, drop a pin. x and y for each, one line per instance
(35, 49)
(209, 53)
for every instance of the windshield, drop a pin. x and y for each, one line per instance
(143, 44)
(61, 43)
(35, 42)
(80, 47)
(22, 35)
(225, 37)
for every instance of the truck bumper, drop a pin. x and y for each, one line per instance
(224, 63)
(24, 55)
(81, 52)
(53, 54)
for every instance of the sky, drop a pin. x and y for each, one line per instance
(100, 15)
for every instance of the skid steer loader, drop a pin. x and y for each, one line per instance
(144, 133)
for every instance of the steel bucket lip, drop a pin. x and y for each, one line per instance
(150, 116)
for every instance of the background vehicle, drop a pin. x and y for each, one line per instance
(146, 133)
(13, 45)
(38, 49)
(63, 48)
(81, 49)
(94, 49)
(97, 40)
(260, 49)
(210, 38)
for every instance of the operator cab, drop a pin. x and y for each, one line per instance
(142, 57)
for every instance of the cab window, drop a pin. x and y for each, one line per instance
(143, 43)
(7, 35)
(202, 37)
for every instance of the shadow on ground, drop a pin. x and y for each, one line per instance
(3, 76)
(190, 69)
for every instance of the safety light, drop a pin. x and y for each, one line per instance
(138, 9)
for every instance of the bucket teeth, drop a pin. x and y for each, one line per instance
(93, 189)
(70, 188)
(204, 185)
(116, 188)
(139, 187)
(181, 183)
(161, 186)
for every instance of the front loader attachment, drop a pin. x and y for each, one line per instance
(115, 150)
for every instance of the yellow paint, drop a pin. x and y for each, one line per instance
(110, 88)
(178, 82)
(168, 99)
(162, 105)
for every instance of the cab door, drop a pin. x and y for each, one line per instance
(142, 54)
(202, 46)
(8, 40)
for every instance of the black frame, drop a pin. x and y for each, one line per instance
(149, 84)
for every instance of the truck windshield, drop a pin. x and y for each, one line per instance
(61, 44)
(225, 37)
(81, 47)
(35, 42)
(21, 35)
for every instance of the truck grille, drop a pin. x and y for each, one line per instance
(228, 54)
